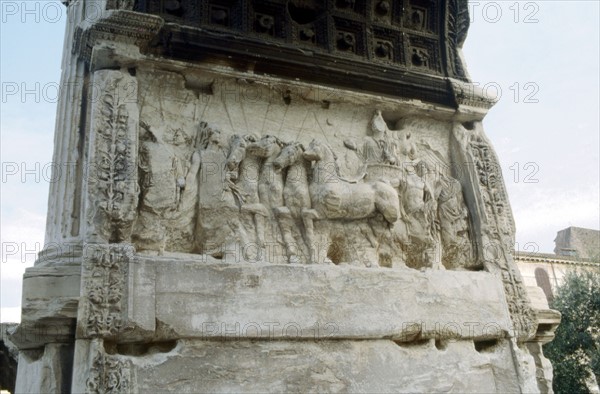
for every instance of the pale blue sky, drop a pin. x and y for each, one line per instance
(554, 141)
(559, 134)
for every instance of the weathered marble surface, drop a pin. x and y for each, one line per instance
(215, 300)
(46, 370)
(50, 300)
(325, 366)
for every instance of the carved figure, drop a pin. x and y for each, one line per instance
(218, 229)
(168, 193)
(379, 147)
(270, 185)
(296, 192)
(454, 226)
(419, 214)
(335, 198)
(149, 232)
(270, 180)
(247, 166)
(407, 149)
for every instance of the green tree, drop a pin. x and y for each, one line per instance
(575, 350)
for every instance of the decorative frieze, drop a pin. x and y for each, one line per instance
(499, 227)
(105, 271)
(112, 191)
(108, 375)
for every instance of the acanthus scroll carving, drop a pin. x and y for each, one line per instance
(112, 174)
(494, 194)
(106, 268)
(499, 224)
(108, 375)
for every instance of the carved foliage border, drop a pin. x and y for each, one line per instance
(108, 375)
(500, 226)
(105, 271)
(112, 174)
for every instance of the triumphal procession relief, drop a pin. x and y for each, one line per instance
(314, 172)
(254, 197)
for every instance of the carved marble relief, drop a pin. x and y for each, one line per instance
(453, 217)
(383, 199)
(226, 146)
(104, 271)
(219, 231)
(108, 375)
(167, 189)
(184, 179)
(167, 172)
(112, 187)
(500, 230)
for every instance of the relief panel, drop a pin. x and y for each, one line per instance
(251, 173)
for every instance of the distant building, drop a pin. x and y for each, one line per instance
(576, 249)
(578, 242)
